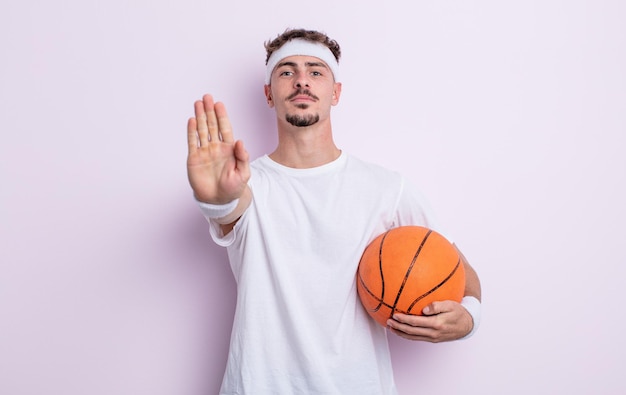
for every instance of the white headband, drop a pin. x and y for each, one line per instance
(302, 47)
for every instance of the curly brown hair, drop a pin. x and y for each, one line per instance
(309, 35)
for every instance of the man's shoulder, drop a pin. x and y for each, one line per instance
(372, 168)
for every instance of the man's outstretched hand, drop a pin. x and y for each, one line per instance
(218, 167)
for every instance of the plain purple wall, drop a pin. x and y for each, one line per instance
(510, 116)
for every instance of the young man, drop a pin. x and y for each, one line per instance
(295, 223)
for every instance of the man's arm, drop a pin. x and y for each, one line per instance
(218, 167)
(472, 282)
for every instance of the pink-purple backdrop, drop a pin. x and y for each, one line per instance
(510, 116)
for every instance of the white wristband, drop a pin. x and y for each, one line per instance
(215, 211)
(473, 307)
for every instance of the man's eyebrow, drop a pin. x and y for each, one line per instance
(307, 64)
(316, 64)
(282, 64)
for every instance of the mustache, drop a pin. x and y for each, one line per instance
(302, 92)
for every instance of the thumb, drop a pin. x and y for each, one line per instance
(436, 308)
(243, 158)
(429, 309)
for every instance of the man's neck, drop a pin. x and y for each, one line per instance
(305, 147)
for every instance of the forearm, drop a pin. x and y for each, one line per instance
(472, 296)
(228, 222)
(472, 282)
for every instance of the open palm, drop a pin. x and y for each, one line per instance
(217, 165)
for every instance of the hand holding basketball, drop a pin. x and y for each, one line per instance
(442, 321)
(406, 269)
(217, 166)
(412, 280)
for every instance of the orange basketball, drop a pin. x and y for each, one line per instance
(405, 269)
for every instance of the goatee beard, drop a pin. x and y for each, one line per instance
(302, 121)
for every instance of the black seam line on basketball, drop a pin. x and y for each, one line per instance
(458, 263)
(381, 302)
(369, 291)
(380, 268)
(408, 272)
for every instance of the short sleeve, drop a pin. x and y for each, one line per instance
(413, 208)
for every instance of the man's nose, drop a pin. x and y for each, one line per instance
(302, 82)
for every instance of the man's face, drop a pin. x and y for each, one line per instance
(302, 90)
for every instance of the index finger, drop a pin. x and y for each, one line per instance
(412, 320)
(411, 327)
(223, 123)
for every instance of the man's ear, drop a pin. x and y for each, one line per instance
(336, 93)
(268, 95)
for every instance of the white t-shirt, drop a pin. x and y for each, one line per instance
(299, 327)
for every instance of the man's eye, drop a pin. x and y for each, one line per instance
(316, 73)
(286, 73)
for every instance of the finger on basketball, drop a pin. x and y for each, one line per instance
(223, 122)
(429, 309)
(408, 319)
(438, 307)
(414, 325)
(407, 329)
